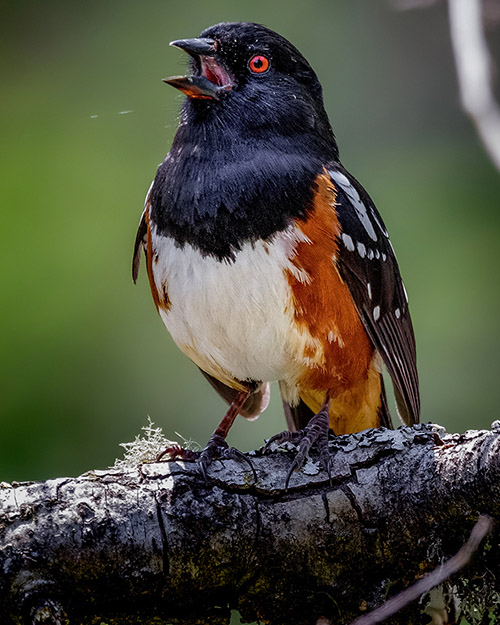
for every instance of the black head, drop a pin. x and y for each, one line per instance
(252, 138)
(247, 72)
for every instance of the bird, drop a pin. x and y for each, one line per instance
(267, 260)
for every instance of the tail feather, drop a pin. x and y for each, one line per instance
(383, 411)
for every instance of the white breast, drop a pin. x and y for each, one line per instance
(233, 319)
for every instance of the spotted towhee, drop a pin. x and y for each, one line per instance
(267, 260)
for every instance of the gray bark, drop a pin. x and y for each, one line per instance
(156, 544)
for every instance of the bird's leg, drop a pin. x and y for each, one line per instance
(315, 432)
(217, 447)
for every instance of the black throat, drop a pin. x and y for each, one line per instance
(225, 183)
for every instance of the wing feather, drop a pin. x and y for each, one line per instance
(140, 238)
(367, 263)
(139, 245)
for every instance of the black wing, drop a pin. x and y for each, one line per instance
(139, 245)
(140, 238)
(367, 264)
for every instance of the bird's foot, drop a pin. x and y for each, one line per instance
(176, 452)
(218, 449)
(315, 432)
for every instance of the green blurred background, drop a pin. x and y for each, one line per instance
(85, 119)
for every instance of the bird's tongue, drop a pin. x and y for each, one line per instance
(214, 72)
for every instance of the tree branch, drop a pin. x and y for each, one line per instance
(472, 60)
(159, 542)
(483, 527)
(473, 64)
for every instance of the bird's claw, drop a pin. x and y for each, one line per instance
(218, 449)
(176, 452)
(315, 432)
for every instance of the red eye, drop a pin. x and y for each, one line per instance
(258, 64)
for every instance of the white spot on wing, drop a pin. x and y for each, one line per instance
(397, 312)
(369, 289)
(380, 224)
(370, 254)
(348, 242)
(361, 249)
(404, 289)
(376, 313)
(358, 205)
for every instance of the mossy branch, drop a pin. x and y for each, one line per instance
(156, 544)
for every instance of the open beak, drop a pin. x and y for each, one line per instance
(212, 80)
(196, 47)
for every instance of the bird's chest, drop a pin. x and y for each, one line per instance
(234, 318)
